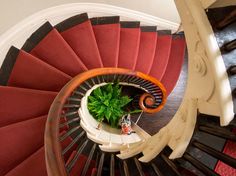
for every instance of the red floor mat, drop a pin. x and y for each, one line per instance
(79, 165)
(65, 143)
(108, 40)
(19, 141)
(174, 65)
(82, 40)
(54, 50)
(33, 166)
(18, 104)
(129, 47)
(30, 72)
(161, 56)
(222, 168)
(146, 51)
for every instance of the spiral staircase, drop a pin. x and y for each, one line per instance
(44, 82)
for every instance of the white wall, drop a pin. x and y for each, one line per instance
(13, 11)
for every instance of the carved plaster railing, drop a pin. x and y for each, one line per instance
(208, 89)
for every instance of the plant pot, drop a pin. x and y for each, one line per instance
(105, 134)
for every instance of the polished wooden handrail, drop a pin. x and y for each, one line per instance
(148, 98)
(54, 161)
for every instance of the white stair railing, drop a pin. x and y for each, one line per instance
(208, 89)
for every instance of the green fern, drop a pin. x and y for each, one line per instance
(107, 103)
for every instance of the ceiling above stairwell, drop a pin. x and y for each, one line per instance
(12, 14)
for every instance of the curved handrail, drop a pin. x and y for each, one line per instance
(54, 160)
(148, 98)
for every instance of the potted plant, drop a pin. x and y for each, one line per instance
(108, 104)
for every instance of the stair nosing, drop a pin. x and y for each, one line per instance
(148, 28)
(105, 20)
(129, 24)
(163, 32)
(71, 22)
(37, 36)
(8, 65)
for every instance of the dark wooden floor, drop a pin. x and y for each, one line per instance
(152, 123)
(223, 36)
